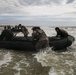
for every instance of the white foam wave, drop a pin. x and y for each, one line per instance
(17, 66)
(6, 59)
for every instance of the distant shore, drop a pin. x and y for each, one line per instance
(2, 26)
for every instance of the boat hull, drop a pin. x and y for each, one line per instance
(19, 43)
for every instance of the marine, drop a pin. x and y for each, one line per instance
(19, 26)
(6, 33)
(61, 33)
(25, 31)
(41, 38)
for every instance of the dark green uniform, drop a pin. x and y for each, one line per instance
(62, 33)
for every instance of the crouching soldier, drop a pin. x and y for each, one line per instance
(42, 39)
(61, 33)
(25, 31)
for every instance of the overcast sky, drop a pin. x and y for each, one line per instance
(38, 12)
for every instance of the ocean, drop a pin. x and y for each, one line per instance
(44, 62)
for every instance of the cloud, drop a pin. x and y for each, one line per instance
(72, 13)
(39, 2)
(35, 11)
(30, 6)
(34, 7)
(70, 1)
(16, 6)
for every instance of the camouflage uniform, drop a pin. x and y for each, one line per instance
(24, 31)
(43, 41)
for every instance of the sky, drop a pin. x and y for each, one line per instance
(38, 12)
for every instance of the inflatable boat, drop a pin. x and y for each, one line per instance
(20, 43)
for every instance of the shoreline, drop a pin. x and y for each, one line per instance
(66, 27)
(42, 26)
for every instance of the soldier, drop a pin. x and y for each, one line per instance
(7, 34)
(25, 31)
(42, 39)
(19, 26)
(35, 34)
(5, 27)
(16, 27)
(60, 32)
(9, 27)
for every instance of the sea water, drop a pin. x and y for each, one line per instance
(44, 62)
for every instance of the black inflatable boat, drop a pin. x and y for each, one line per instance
(20, 43)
